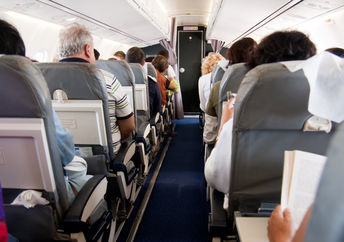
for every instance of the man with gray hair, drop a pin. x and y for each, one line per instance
(76, 45)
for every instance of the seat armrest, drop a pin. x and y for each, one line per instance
(125, 153)
(96, 164)
(84, 203)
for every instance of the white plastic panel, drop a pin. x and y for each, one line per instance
(84, 119)
(24, 155)
(141, 97)
(129, 91)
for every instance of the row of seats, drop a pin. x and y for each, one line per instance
(29, 157)
(271, 109)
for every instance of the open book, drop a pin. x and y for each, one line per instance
(301, 176)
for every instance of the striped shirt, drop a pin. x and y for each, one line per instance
(119, 107)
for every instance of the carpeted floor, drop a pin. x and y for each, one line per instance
(177, 210)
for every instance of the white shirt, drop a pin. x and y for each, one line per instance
(204, 90)
(218, 166)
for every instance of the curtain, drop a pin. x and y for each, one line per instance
(170, 47)
(217, 45)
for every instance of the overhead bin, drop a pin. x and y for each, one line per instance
(232, 20)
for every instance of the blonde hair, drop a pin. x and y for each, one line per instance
(210, 61)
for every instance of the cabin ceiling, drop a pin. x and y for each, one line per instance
(188, 12)
(232, 20)
(145, 22)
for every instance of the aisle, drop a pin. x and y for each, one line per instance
(177, 210)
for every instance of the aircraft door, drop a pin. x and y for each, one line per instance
(190, 53)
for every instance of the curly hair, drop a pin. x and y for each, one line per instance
(160, 63)
(283, 46)
(241, 51)
(210, 61)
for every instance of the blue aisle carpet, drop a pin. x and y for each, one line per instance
(177, 210)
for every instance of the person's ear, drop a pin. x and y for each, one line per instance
(88, 49)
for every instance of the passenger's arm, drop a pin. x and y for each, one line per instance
(171, 86)
(126, 126)
(300, 233)
(227, 112)
(280, 226)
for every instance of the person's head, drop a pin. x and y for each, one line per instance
(135, 55)
(149, 59)
(283, 46)
(11, 42)
(96, 54)
(119, 55)
(163, 53)
(241, 51)
(76, 41)
(160, 63)
(336, 51)
(210, 61)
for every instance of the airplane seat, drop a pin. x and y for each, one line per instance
(86, 115)
(30, 161)
(326, 221)
(271, 109)
(231, 81)
(126, 77)
(216, 74)
(156, 122)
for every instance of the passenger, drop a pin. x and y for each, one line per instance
(337, 51)
(161, 65)
(96, 54)
(204, 81)
(241, 51)
(11, 43)
(76, 45)
(278, 46)
(136, 55)
(149, 59)
(119, 55)
(280, 222)
(170, 74)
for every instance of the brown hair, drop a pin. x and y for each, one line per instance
(283, 46)
(241, 51)
(160, 63)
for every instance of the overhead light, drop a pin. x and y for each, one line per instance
(70, 19)
(161, 6)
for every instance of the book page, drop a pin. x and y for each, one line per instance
(287, 172)
(306, 173)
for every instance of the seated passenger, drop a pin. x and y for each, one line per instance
(11, 43)
(161, 65)
(96, 54)
(119, 55)
(278, 46)
(240, 51)
(204, 81)
(336, 51)
(76, 45)
(136, 55)
(170, 74)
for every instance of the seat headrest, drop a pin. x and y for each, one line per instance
(272, 97)
(71, 78)
(151, 70)
(120, 69)
(232, 78)
(216, 74)
(31, 94)
(139, 73)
